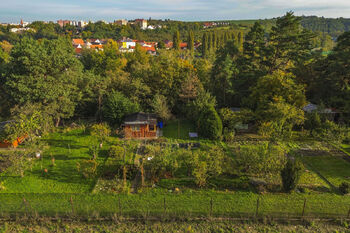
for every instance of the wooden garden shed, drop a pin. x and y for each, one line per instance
(141, 126)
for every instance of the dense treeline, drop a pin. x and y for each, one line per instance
(326, 29)
(333, 27)
(269, 75)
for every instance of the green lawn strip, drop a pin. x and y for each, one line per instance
(310, 179)
(188, 204)
(173, 128)
(345, 148)
(335, 169)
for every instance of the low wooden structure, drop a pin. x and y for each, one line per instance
(141, 126)
(7, 144)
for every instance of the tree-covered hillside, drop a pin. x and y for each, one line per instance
(334, 27)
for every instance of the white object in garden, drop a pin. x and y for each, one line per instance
(149, 158)
(37, 155)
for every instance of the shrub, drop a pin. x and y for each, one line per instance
(229, 135)
(116, 152)
(200, 173)
(313, 122)
(332, 132)
(116, 106)
(261, 160)
(101, 132)
(344, 188)
(210, 124)
(87, 168)
(291, 174)
(208, 164)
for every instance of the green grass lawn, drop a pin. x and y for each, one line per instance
(346, 148)
(184, 205)
(67, 149)
(335, 169)
(313, 181)
(178, 129)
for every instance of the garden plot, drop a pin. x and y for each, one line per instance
(56, 171)
(333, 168)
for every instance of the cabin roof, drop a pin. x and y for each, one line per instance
(139, 118)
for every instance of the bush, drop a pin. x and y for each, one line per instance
(229, 135)
(200, 173)
(344, 188)
(116, 152)
(313, 122)
(87, 168)
(291, 174)
(260, 160)
(332, 132)
(116, 107)
(101, 132)
(210, 124)
(207, 164)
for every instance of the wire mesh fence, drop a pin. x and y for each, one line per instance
(170, 206)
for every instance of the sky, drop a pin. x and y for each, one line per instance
(186, 10)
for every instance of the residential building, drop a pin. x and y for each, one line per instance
(63, 23)
(127, 43)
(18, 30)
(121, 22)
(142, 23)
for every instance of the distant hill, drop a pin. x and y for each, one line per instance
(334, 27)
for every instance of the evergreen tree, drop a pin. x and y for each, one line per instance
(205, 45)
(214, 40)
(240, 41)
(210, 42)
(176, 40)
(289, 43)
(190, 42)
(210, 124)
(334, 81)
(291, 174)
(223, 74)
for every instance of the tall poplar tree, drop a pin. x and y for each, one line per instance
(190, 42)
(205, 45)
(176, 40)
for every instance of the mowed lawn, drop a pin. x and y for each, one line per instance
(183, 205)
(178, 129)
(335, 169)
(346, 148)
(67, 149)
